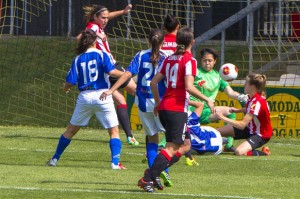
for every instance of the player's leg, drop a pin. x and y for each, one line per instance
(151, 130)
(106, 115)
(123, 117)
(213, 118)
(256, 141)
(175, 126)
(63, 143)
(81, 116)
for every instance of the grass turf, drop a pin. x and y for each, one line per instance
(84, 169)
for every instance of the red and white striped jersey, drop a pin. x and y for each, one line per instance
(261, 122)
(175, 68)
(101, 45)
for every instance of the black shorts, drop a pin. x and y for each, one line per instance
(113, 80)
(254, 140)
(175, 125)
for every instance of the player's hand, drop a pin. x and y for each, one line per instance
(242, 98)
(233, 110)
(105, 94)
(127, 9)
(66, 88)
(218, 113)
(211, 105)
(155, 110)
(102, 36)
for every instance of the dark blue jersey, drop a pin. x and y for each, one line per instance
(203, 138)
(142, 67)
(90, 70)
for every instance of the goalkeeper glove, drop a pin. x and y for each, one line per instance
(242, 98)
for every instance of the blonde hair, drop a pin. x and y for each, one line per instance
(259, 81)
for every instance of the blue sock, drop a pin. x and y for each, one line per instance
(61, 146)
(151, 149)
(115, 145)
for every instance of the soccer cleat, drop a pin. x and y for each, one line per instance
(52, 162)
(229, 142)
(162, 143)
(230, 149)
(190, 162)
(157, 184)
(266, 150)
(132, 141)
(119, 166)
(166, 178)
(147, 186)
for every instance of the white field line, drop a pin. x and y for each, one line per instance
(122, 192)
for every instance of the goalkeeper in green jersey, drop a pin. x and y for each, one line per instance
(209, 83)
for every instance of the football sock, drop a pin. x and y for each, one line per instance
(61, 146)
(124, 119)
(230, 139)
(151, 150)
(161, 162)
(189, 154)
(175, 159)
(255, 153)
(115, 145)
(232, 116)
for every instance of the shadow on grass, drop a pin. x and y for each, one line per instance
(51, 138)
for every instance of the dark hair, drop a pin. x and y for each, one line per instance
(170, 23)
(87, 39)
(184, 38)
(209, 51)
(259, 81)
(90, 11)
(155, 38)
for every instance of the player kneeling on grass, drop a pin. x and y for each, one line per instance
(255, 127)
(203, 138)
(90, 71)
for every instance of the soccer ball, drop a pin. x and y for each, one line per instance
(228, 72)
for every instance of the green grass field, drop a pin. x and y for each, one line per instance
(84, 169)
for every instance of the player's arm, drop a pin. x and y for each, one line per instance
(67, 87)
(235, 95)
(124, 77)
(117, 13)
(198, 107)
(240, 124)
(191, 89)
(154, 89)
(114, 73)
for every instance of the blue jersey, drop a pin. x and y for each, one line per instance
(142, 66)
(203, 139)
(90, 70)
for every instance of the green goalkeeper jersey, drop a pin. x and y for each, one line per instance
(209, 84)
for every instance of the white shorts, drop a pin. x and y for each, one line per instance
(151, 123)
(89, 104)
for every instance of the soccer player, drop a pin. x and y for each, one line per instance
(255, 127)
(97, 17)
(203, 138)
(209, 82)
(179, 70)
(145, 65)
(171, 26)
(90, 70)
